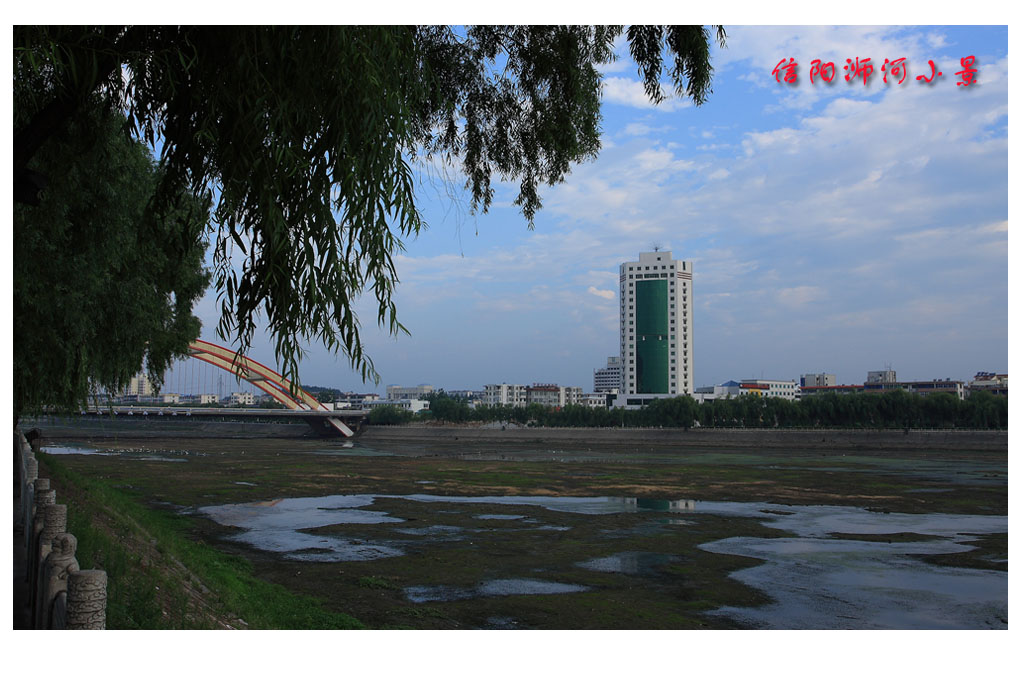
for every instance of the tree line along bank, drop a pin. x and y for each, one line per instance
(893, 409)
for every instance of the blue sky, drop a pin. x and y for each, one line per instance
(834, 228)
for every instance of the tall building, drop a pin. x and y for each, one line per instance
(609, 379)
(656, 325)
(140, 386)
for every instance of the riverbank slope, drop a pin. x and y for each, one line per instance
(696, 438)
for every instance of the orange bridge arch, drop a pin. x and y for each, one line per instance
(263, 377)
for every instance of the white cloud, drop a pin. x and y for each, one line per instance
(629, 92)
(606, 294)
(800, 295)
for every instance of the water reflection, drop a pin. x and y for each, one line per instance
(820, 584)
(816, 580)
(492, 588)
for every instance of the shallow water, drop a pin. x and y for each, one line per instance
(859, 584)
(492, 588)
(816, 581)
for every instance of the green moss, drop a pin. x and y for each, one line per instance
(135, 583)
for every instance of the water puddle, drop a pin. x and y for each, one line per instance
(815, 579)
(819, 584)
(631, 563)
(76, 450)
(133, 454)
(493, 588)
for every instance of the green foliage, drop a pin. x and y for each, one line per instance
(102, 276)
(893, 409)
(388, 414)
(305, 135)
(449, 409)
(133, 584)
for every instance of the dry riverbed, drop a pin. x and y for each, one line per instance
(409, 534)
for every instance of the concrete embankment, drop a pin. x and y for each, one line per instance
(973, 440)
(142, 427)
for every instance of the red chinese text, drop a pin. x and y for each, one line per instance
(860, 68)
(897, 68)
(827, 71)
(788, 71)
(967, 75)
(934, 73)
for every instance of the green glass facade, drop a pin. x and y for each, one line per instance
(652, 336)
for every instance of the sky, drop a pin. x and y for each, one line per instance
(836, 228)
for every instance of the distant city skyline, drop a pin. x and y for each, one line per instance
(834, 228)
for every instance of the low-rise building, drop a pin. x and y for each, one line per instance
(817, 380)
(554, 396)
(241, 399)
(923, 387)
(886, 377)
(728, 389)
(209, 399)
(419, 392)
(504, 394)
(412, 405)
(993, 383)
(597, 399)
(811, 390)
(781, 389)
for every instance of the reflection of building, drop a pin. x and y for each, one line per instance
(656, 325)
(659, 504)
(609, 379)
(993, 383)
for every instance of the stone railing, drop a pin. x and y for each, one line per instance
(60, 593)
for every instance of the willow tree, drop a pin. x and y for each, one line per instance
(305, 136)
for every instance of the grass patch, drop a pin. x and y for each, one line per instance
(160, 576)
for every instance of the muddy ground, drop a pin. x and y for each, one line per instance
(653, 574)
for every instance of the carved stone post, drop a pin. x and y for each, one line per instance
(43, 496)
(55, 521)
(58, 565)
(87, 600)
(31, 468)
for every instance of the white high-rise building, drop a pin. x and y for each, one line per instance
(609, 379)
(656, 325)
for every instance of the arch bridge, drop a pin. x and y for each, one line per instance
(273, 383)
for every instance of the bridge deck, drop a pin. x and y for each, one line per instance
(160, 410)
